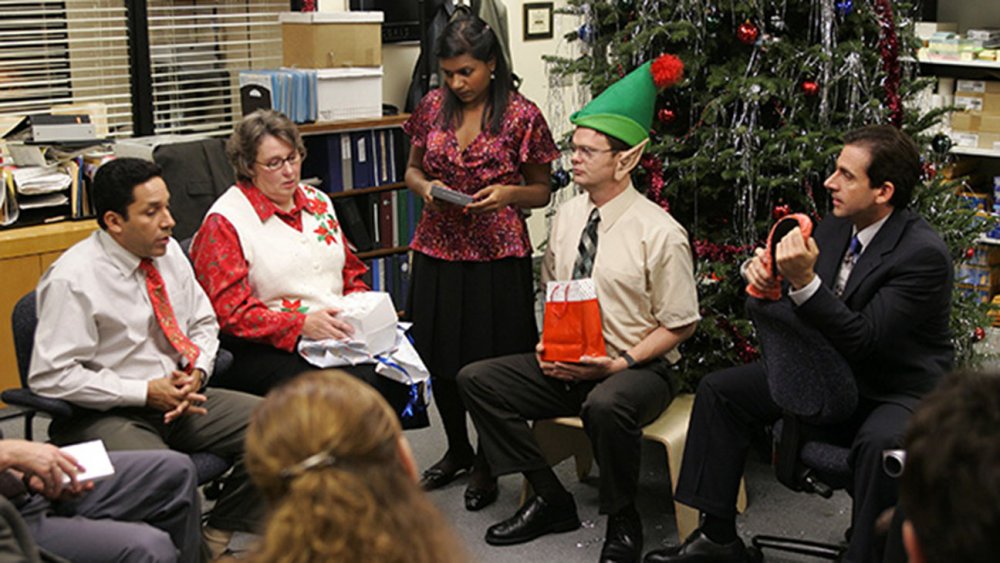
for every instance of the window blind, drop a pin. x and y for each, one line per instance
(68, 56)
(197, 49)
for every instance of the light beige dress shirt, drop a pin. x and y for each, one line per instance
(643, 270)
(98, 341)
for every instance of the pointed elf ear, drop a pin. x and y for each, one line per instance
(629, 159)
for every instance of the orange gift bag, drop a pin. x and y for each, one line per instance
(572, 325)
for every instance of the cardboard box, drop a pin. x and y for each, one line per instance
(969, 101)
(991, 104)
(331, 39)
(989, 141)
(989, 123)
(926, 30)
(978, 86)
(348, 93)
(965, 139)
(966, 121)
(984, 34)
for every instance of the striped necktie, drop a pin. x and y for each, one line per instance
(587, 250)
(850, 258)
(165, 314)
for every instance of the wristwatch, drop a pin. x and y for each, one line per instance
(629, 360)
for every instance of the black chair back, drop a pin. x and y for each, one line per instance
(23, 320)
(806, 375)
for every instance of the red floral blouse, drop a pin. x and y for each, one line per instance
(490, 159)
(223, 271)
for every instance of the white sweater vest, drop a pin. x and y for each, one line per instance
(285, 264)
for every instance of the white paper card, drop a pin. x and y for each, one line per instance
(94, 459)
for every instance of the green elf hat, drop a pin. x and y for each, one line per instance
(625, 109)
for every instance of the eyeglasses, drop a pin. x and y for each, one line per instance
(588, 153)
(277, 163)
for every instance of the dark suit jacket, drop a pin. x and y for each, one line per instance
(892, 323)
(196, 173)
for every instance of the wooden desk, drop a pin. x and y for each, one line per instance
(25, 254)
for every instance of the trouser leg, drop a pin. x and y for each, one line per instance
(148, 511)
(729, 406)
(222, 432)
(613, 416)
(873, 490)
(502, 395)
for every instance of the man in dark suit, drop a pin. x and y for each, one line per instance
(876, 281)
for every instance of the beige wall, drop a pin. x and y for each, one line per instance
(398, 61)
(970, 13)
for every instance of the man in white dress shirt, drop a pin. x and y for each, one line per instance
(136, 360)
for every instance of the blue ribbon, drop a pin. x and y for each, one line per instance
(414, 405)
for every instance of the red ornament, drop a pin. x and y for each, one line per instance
(666, 70)
(930, 171)
(780, 211)
(810, 88)
(969, 253)
(978, 334)
(747, 33)
(666, 116)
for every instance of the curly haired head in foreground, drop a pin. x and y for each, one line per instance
(329, 456)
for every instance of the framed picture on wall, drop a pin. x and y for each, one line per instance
(538, 20)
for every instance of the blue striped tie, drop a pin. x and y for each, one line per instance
(850, 258)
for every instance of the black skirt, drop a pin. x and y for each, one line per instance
(463, 312)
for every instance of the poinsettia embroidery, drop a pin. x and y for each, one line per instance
(293, 306)
(327, 233)
(329, 229)
(316, 206)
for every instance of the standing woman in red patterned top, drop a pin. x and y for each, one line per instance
(472, 294)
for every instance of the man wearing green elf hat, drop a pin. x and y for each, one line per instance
(638, 259)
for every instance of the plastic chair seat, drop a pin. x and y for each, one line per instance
(563, 437)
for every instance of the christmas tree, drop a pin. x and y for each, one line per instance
(755, 127)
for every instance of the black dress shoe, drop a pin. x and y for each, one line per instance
(699, 549)
(478, 499)
(536, 518)
(442, 473)
(623, 543)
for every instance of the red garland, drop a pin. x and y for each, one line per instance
(715, 252)
(888, 46)
(745, 351)
(654, 169)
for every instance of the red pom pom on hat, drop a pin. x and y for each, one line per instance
(667, 70)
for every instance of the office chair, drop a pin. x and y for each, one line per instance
(814, 386)
(208, 466)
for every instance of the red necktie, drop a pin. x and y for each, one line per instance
(165, 314)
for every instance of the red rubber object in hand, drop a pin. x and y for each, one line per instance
(778, 232)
